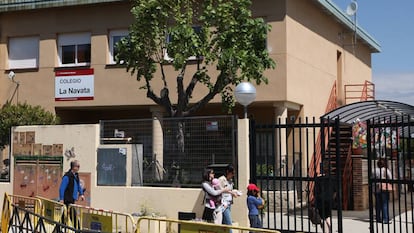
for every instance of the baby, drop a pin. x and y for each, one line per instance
(217, 200)
(216, 185)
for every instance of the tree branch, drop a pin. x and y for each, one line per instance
(164, 98)
(221, 82)
(194, 80)
(181, 103)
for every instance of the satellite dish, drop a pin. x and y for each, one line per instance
(352, 8)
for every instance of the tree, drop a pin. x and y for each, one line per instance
(22, 114)
(226, 37)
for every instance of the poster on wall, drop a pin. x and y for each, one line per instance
(71, 85)
(85, 182)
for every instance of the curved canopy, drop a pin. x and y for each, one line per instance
(373, 109)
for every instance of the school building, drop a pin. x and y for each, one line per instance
(318, 50)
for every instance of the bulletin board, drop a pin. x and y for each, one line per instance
(25, 183)
(48, 179)
(37, 176)
(111, 168)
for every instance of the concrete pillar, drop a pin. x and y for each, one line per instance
(360, 187)
(157, 143)
(239, 209)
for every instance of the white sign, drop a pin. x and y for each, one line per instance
(74, 85)
(212, 126)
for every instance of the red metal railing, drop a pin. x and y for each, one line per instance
(359, 92)
(347, 179)
(314, 166)
(363, 92)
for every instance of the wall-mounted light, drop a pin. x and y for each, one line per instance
(11, 76)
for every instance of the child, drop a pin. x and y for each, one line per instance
(217, 203)
(216, 185)
(253, 202)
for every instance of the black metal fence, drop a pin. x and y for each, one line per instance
(392, 142)
(282, 154)
(287, 157)
(189, 145)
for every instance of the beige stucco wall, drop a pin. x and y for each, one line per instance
(312, 65)
(130, 199)
(37, 87)
(303, 42)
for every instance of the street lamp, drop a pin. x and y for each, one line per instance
(245, 94)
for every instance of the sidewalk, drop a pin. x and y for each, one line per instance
(358, 221)
(352, 221)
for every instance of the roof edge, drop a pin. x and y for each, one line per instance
(16, 5)
(344, 19)
(371, 109)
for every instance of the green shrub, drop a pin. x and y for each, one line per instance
(22, 114)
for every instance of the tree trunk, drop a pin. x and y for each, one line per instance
(180, 136)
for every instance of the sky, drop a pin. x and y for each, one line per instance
(389, 22)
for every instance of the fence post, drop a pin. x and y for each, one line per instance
(243, 173)
(339, 173)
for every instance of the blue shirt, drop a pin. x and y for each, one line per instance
(252, 204)
(77, 189)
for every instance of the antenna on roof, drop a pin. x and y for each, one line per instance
(351, 10)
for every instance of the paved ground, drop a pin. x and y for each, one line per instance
(353, 221)
(358, 221)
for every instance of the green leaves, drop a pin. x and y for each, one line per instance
(221, 33)
(22, 114)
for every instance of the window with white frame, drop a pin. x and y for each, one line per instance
(74, 49)
(197, 29)
(114, 37)
(23, 52)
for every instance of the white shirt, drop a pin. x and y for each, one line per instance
(224, 183)
(382, 173)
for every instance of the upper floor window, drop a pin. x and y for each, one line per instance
(74, 49)
(23, 52)
(197, 30)
(114, 37)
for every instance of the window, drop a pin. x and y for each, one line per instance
(74, 49)
(197, 29)
(114, 37)
(23, 52)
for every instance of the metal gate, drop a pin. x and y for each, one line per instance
(391, 147)
(286, 158)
